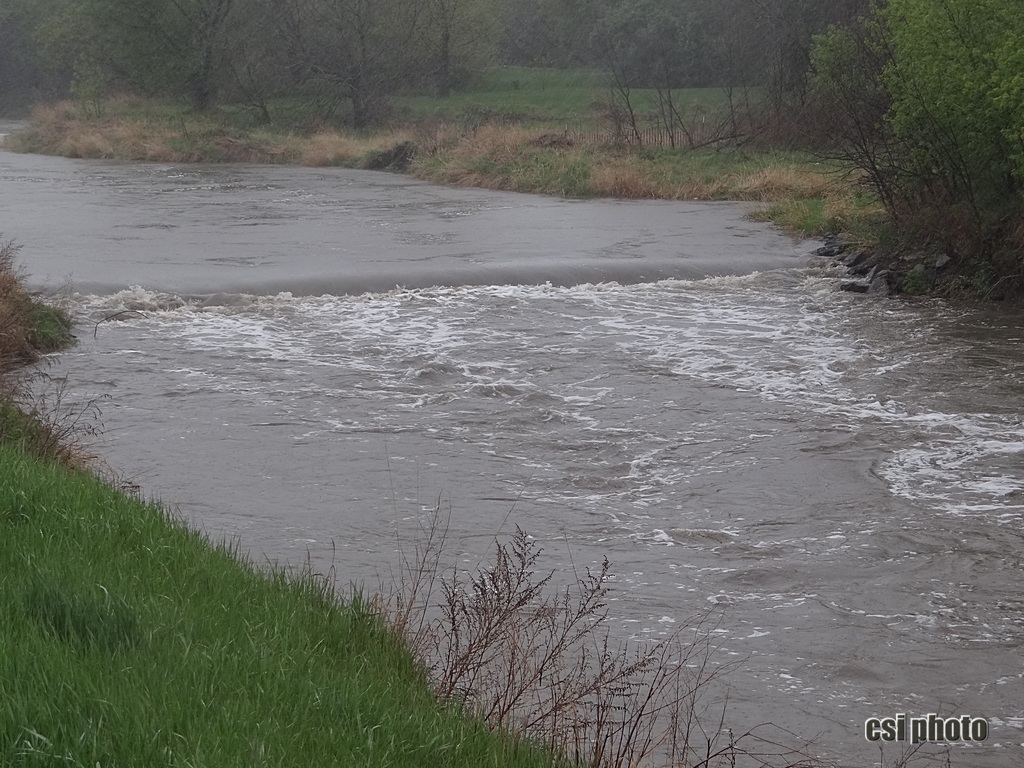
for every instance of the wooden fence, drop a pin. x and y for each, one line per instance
(702, 135)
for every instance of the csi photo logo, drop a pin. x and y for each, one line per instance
(926, 728)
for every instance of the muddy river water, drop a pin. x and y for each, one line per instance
(313, 358)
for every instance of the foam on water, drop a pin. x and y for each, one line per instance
(794, 347)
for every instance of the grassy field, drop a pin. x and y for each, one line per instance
(546, 98)
(549, 97)
(537, 97)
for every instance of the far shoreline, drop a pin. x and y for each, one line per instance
(804, 196)
(510, 239)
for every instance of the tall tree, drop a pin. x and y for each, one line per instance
(947, 152)
(163, 46)
(786, 29)
(956, 90)
(459, 37)
(27, 69)
(550, 33)
(359, 51)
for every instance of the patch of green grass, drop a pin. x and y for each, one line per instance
(711, 163)
(850, 211)
(17, 428)
(129, 640)
(51, 327)
(91, 618)
(554, 173)
(556, 98)
(521, 93)
(806, 217)
(709, 167)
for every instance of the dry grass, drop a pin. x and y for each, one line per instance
(34, 410)
(500, 143)
(483, 157)
(779, 183)
(63, 129)
(513, 157)
(334, 148)
(618, 177)
(16, 328)
(848, 212)
(129, 129)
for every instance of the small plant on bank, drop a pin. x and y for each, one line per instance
(28, 327)
(536, 659)
(51, 328)
(34, 410)
(37, 414)
(916, 281)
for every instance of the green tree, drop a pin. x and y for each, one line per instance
(654, 43)
(954, 78)
(459, 37)
(781, 32)
(160, 47)
(27, 69)
(355, 51)
(551, 33)
(932, 92)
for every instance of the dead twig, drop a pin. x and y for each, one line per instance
(114, 316)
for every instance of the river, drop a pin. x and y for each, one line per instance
(305, 361)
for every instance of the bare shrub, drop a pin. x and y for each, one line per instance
(15, 313)
(618, 177)
(433, 135)
(37, 411)
(330, 147)
(34, 407)
(538, 659)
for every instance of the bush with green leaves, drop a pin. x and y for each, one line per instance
(929, 96)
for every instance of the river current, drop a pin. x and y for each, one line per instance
(838, 478)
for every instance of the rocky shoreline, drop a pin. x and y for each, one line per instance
(879, 270)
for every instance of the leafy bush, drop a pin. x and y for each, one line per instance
(929, 103)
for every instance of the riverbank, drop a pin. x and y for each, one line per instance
(129, 639)
(30, 327)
